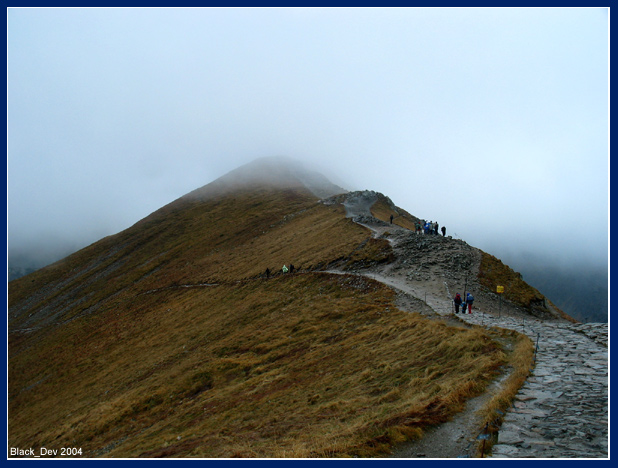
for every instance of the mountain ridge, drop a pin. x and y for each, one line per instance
(293, 174)
(168, 339)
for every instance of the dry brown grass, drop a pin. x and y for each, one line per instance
(520, 362)
(307, 365)
(492, 272)
(382, 210)
(192, 242)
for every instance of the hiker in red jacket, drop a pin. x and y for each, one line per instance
(457, 302)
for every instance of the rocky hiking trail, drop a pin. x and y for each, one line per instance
(562, 409)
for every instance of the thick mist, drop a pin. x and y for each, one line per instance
(493, 122)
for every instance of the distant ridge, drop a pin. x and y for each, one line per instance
(275, 171)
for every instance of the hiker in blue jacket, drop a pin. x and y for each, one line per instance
(469, 301)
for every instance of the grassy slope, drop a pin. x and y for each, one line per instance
(303, 365)
(492, 272)
(191, 242)
(383, 210)
(298, 366)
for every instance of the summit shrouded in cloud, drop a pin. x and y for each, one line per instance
(275, 171)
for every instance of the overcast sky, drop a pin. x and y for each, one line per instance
(493, 122)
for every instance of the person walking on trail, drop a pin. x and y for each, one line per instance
(291, 268)
(284, 269)
(469, 301)
(391, 219)
(417, 227)
(443, 229)
(457, 301)
(267, 273)
(435, 229)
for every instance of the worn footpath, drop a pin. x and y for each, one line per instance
(562, 409)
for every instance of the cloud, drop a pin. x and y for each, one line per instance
(492, 121)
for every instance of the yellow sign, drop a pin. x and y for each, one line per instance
(500, 289)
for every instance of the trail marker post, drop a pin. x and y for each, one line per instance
(500, 291)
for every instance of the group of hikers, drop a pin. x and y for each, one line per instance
(428, 227)
(458, 301)
(421, 226)
(284, 270)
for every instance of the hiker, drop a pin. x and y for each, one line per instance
(469, 301)
(417, 227)
(391, 219)
(457, 302)
(443, 229)
(284, 269)
(267, 273)
(291, 268)
(435, 228)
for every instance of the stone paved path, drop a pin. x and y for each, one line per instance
(562, 409)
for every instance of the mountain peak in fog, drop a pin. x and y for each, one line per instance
(274, 171)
